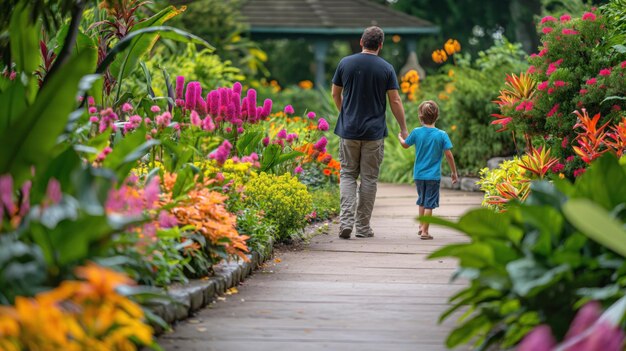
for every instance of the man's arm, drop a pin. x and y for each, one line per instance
(337, 93)
(398, 111)
(450, 159)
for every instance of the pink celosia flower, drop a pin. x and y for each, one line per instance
(559, 83)
(588, 16)
(167, 220)
(543, 85)
(25, 206)
(289, 109)
(214, 103)
(282, 134)
(93, 119)
(237, 88)
(591, 81)
(266, 141)
(267, 109)
(180, 87)
(605, 72)
(322, 125)
(320, 145)
(548, 19)
(298, 170)
(155, 109)
(569, 31)
(546, 30)
(207, 124)
(180, 102)
(566, 18)
(251, 104)
(6, 195)
(222, 152)
(553, 110)
(190, 96)
(311, 115)
(92, 110)
(126, 107)
(195, 119)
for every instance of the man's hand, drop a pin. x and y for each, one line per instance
(455, 178)
(404, 134)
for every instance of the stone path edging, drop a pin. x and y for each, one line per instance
(464, 183)
(198, 293)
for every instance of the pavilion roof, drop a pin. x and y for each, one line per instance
(328, 18)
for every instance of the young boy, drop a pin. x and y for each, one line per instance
(430, 146)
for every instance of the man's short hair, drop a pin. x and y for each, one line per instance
(372, 37)
(428, 112)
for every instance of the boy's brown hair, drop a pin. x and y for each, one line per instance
(428, 112)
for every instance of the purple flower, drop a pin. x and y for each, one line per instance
(282, 134)
(126, 107)
(298, 170)
(266, 141)
(289, 110)
(167, 220)
(322, 125)
(320, 145)
(180, 87)
(53, 191)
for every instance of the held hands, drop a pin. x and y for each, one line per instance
(455, 178)
(404, 134)
(402, 138)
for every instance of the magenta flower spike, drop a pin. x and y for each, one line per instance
(207, 124)
(190, 96)
(322, 125)
(251, 102)
(267, 108)
(198, 95)
(6, 194)
(214, 106)
(282, 134)
(237, 88)
(235, 99)
(224, 96)
(201, 107)
(195, 119)
(320, 145)
(180, 87)
(289, 109)
(244, 109)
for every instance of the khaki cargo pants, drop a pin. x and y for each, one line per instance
(359, 158)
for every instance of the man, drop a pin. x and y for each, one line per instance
(359, 87)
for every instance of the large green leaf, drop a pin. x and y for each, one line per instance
(462, 334)
(475, 255)
(595, 222)
(12, 104)
(602, 182)
(29, 141)
(24, 40)
(126, 153)
(529, 277)
(248, 142)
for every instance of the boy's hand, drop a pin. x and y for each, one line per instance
(400, 136)
(455, 178)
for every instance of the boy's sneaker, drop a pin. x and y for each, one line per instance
(368, 234)
(345, 233)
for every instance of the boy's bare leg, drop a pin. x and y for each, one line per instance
(427, 212)
(421, 212)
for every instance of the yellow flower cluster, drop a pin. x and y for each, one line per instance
(284, 199)
(238, 172)
(76, 316)
(142, 169)
(410, 84)
(305, 85)
(450, 48)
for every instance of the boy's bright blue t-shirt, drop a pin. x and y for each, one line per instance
(430, 143)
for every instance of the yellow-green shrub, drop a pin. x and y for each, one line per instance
(507, 182)
(283, 198)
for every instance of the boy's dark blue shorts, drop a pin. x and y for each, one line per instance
(427, 193)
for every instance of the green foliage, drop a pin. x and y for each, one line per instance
(252, 222)
(508, 172)
(534, 263)
(284, 200)
(22, 269)
(325, 202)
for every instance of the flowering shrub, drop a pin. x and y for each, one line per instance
(285, 201)
(78, 315)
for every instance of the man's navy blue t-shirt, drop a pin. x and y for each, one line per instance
(365, 79)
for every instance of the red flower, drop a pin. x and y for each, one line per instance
(583, 91)
(570, 158)
(543, 85)
(568, 31)
(591, 81)
(553, 110)
(546, 30)
(564, 143)
(605, 72)
(559, 83)
(566, 18)
(548, 19)
(579, 171)
(558, 167)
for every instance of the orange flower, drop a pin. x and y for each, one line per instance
(305, 84)
(452, 46)
(439, 56)
(327, 172)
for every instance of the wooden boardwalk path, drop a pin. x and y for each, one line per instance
(360, 294)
